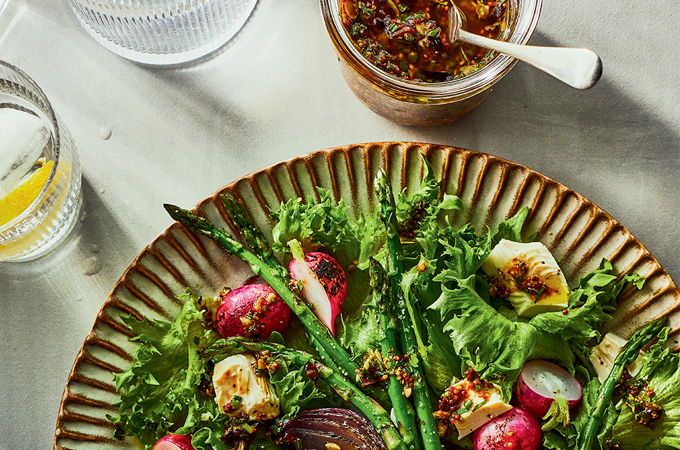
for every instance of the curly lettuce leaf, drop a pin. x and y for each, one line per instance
(491, 338)
(459, 253)
(590, 305)
(661, 370)
(326, 223)
(495, 346)
(441, 364)
(447, 254)
(463, 252)
(159, 391)
(419, 209)
(363, 332)
(295, 390)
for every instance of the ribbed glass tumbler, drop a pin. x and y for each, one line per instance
(40, 177)
(163, 32)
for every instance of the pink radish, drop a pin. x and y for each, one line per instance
(253, 310)
(540, 382)
(324, 284)
(174, 442)
(515, 429)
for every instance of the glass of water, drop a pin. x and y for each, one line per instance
(162, 32)
(39, 170)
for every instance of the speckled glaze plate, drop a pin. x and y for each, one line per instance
(579, 233)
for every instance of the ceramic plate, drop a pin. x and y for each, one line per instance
(579, 233)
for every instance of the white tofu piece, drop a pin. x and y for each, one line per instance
(602, 356)
(233, 378)
(486, 404)
(513, 265)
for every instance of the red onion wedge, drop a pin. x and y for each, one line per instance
(253, 310)
(174, 442)
(540, 382)
(515, 429)
(324, 284)
(316, 428)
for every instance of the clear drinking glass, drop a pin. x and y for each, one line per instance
(162, 32)
(39, 170)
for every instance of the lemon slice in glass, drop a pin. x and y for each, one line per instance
(23, 195)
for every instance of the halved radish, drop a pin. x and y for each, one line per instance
(174, 442)
(540, 382)
(514, 429)
(324, 284)
(252, 310)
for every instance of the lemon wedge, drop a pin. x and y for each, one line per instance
(16, 202)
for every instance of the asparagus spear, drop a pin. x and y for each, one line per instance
(604, 398)
(316, 329)
(375, 413)
(406, 314)
(251, 234)
(319, 335)
(260, 247)
(403, 411)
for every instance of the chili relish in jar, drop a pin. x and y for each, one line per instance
(409, 38)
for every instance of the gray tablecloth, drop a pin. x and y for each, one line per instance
(276, 92)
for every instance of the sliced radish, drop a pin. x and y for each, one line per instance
(324, 284)
(540, 382)
(174, 442)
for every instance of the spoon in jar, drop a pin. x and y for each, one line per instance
(577, 67)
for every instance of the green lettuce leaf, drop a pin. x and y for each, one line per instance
(495, 346)
(590, 305)
(419, 209)
(159, 391)
(446, 255)
(362, 332)
(561, 438)
(661, 370)
(294, 389)
(462, 253)
(326, 223)
(441, 364)
(512, 229)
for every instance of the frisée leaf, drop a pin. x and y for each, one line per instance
(159, 392)
(325, 222)
(661, 371)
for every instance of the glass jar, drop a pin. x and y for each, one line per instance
(419, 103)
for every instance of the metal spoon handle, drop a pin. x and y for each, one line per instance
(577, 67)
